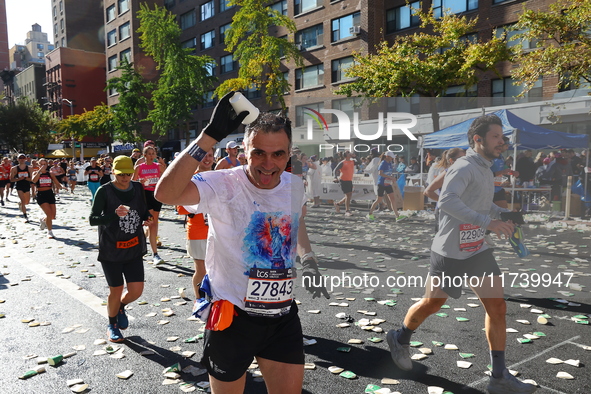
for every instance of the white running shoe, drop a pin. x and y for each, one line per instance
(42, 224)
(157, 259)
(400, 353)
(509, 384)
(50, 234)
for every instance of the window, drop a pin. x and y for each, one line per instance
(123, 6)
(54, 11)
(223, 30)
(124, 31)
(348, 106)
(506, 88)
(125, 54)
(112, 37)
(453, 6)
(40, 55)
(63, 41)
(208, 39)
(112, 63)
(252, 93)
(402, 17)
(113, 92)
(511, 38)
(301, 6)
(343, 27)
(169, 4)
(208, 100)
(338, 68)
(210, 69)
(301, 109)
(458, 98)
(310, 37)
(61, 6)
(50, 47)
(188, 19)
(225, 5)
(207, 10)
(40, 46)
(110, 13)
(280, 7)
(62, 25)
(190, 43)
(55, 28)
(227, 63)
(309, 77)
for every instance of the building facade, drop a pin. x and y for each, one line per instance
(78, 24)
(4, 59)
(328, 33)
(75, 81)
(33, 51)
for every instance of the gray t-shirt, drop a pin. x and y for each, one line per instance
(466, 207)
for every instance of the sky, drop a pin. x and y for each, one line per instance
(22, 14)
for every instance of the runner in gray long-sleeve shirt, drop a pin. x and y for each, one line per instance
(460, 256)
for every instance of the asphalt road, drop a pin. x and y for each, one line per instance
(59, 284)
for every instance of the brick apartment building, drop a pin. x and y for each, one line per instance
(329, 32)
(122, 41)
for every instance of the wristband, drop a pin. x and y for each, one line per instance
(196, 152)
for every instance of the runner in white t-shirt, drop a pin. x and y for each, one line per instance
(256, 226)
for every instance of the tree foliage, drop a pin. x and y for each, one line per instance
(184, 80)
(96, 123)
(258, 52)
(133, 102)
(426, 63)
(563, 41)
(25, 126)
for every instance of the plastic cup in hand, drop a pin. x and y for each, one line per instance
(240, 104)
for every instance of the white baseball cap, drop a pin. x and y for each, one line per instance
(231, 145)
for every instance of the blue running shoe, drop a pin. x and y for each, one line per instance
(122, 320)
(114, 334)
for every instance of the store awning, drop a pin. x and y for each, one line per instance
(67, 153)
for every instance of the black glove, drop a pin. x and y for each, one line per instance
(224, 120)
(312, 279)
(515, 217)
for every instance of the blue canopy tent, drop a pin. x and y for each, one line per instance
(523, 135)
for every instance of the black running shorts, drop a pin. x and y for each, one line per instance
(133, 271)
(152, 203)
(347, 186)
(228, 353)
(388, 189)
(45, 196)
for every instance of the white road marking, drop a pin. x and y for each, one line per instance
(568, 341)
(68, 287)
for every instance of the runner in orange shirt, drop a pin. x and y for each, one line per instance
(197, 228)
(343, 174)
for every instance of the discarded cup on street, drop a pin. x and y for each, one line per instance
(55, 360)
(32, 373)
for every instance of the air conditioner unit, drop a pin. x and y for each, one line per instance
(355, 30)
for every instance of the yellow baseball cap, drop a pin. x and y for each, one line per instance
(123, 165)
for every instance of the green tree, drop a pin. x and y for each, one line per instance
(133, 102)
(25, 126)
(184, 80)
(96, 123)
(426, 63)
(563, 44)
(259, 53)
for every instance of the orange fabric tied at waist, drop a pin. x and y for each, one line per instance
(221, 315)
